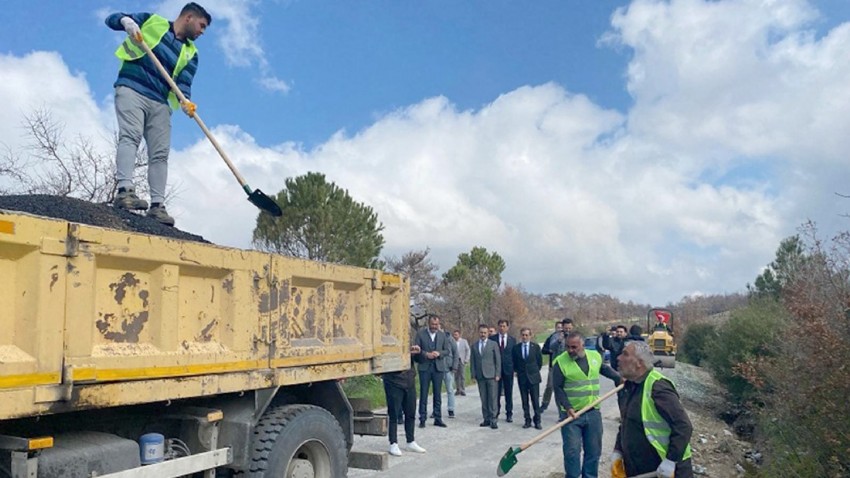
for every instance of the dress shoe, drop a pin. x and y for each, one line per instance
(509, 419)
(527, 425)
(439, 423)
(451, 414)
(422, 424)
(463, 394)
(485, 423)
(538, 426)
(494, 425)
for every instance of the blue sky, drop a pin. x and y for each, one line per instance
(648, 149)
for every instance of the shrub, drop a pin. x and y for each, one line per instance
(695, 341)
(750, 334)
(805, 422)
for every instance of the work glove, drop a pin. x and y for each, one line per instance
(132, 28)
(189, 108)
(618, 468)
(666, 469)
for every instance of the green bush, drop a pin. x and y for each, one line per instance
(750, 334)
(695, 342)
(369, 387)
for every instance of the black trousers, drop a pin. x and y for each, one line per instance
(506, 388)
(398, 399)
(427, 378)
(527, 392)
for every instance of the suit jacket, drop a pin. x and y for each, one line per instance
(507, 357)
(452, 362)
(463, 350)
(528, 370)
(486, 364)
(440, 344)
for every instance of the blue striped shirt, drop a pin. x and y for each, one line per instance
(142, 76)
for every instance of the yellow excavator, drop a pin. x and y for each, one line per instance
(659, 327)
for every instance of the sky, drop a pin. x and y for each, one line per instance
(646, 149)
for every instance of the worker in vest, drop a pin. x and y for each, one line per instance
(654, 429)
(144, 101)
(575, 382)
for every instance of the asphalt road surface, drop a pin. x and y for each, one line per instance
(465, 450)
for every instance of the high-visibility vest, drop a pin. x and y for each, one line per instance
(152, 32)
(581, 389)
(657, 429)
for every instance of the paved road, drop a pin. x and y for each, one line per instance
(465, 450)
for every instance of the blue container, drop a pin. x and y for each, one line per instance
(152, 448)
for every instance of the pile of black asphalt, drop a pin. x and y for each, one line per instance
(93, 214)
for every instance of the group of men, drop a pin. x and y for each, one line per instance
(654, 430)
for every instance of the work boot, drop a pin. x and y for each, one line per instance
(127, 199)
(159, 213)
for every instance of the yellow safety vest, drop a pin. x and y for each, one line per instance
(657, 429)
(152, 32)
(581, 389)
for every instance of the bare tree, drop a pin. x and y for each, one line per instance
(52, 164)
(417, 266)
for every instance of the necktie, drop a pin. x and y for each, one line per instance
(502, 343)
(525, 351)
(481, 347)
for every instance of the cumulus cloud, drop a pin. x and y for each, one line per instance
(236, 26)
(734, 138)
(42, 81)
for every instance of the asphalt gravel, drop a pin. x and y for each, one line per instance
(93, 214)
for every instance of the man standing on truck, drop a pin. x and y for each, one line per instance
(655, 430)
(434, 345)
(143, 98)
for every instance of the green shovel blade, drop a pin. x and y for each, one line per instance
(508, 460)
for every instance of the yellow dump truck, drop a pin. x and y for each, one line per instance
(131, 355)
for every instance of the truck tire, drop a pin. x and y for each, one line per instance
(298, 441)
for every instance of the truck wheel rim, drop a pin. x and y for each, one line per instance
(311, 460)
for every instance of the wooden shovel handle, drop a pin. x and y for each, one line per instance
(180, 96)
(563, 422)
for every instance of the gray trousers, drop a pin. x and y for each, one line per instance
(488, 393)
(139, 117)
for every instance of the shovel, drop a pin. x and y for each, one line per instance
(509, 458)
(257, 197)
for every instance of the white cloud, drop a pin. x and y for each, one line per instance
(237, 29)
(42, 81)
(272, 83)
(735, 137)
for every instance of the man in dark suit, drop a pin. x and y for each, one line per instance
(434, 346)
(528, 360)
(506, 384)
(486, 366)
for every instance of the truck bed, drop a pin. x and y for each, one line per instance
(97, 317)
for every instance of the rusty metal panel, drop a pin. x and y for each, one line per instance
(326, 313)
(32, 290)
(93, 317)
(141, 307)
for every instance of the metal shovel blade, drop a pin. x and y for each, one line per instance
(263, 202)
(508, 460)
